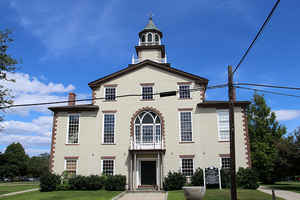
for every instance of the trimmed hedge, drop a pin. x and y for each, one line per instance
(115, 183)
(225, 178)
(49, 182)
(93, 182)
(174, 181)
(197, 178)
(247, 178)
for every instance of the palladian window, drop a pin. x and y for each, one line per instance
(147, 128)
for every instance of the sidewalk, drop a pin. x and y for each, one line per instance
(144, 196)
(288, 195)
(19, 192)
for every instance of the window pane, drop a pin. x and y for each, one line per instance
(108, 167)
(226, 162)
(73, 129)
(149, 37)
(223, 125)
(109, 128)
(110, 94)
(157, 133)
(71, 165)
(148, 119)
(184, 92)
(138, 134)
(147, 93)
(187, 167)
(156, 38)
(186, 126)
(143, 38)
(148, 134)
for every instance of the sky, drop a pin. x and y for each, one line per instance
(61, 46)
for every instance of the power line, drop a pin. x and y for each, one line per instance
(102, 98)
(270, 86)
(257, 35)
(266, 91)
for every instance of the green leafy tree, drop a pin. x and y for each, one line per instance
(265, 132)
(38, 165)
(7, 64)
(15, 161)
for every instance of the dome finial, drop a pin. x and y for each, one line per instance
(150, 15)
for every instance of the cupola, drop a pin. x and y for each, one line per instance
(149, 46)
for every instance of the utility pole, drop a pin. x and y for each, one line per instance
(231, 95)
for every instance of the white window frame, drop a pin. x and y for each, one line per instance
(218, 125)
(67, 136)
(190, 86)
(152, 92)
(110, 87)
(114, 167)
(181, 159)
(221, 165)
(65, 167)
(109, 113)
(179, 119)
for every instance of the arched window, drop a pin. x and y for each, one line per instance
(147, 128)
(149, 37)
(143, 38)
(156, 38)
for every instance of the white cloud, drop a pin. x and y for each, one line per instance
(286, 115)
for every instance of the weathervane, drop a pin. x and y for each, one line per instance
(150, 15)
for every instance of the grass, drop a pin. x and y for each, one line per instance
(286, 185)
(215, 194)
(15, 187)
(65, 195)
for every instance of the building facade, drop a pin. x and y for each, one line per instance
(146, 120)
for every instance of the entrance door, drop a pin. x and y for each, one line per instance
(148, 172)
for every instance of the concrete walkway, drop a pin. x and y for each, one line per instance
(288, 195)
(19, 192)
(144, 196)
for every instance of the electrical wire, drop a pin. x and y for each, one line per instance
(103, 98)
(270, 86)
(266, 91)
(256, 37)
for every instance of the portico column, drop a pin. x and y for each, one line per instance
(134, 172)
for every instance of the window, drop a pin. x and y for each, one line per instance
(73, 129)
(184, 92)
(110, 94)
(187, 167)
(223, 124)
(143, 38)
(109, 129)
(149, 37)
(225, 162)
(71, 166)
(186, 126)
(156, 38)
(108, 167)
(147, 92)
(147, 128)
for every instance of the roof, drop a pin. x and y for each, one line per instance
(150, 27)
(222, 104)
(162, 66)
(82, 107)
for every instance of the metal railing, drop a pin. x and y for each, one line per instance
(139, 145)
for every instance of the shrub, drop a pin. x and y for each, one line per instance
(63, 187)
(174, 181)
(225, 178)
(115, 183)
(197, 178)
(92, 182)
(247, 178)
(49, 182)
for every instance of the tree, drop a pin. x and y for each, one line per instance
(15, 161)
(38, 165)
(7, 64)
(265, 133)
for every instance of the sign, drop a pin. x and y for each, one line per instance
(211, 176)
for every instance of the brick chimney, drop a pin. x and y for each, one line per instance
(72, 99)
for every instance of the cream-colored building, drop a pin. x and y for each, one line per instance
(146, 120)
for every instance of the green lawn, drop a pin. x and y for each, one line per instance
(65, 195)
(286, 185)
(13, 187)
(215, 194)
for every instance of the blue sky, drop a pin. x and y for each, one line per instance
(63, 45)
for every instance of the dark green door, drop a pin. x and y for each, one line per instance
(148, 172)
